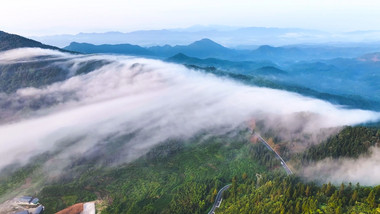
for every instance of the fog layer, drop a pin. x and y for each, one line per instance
(365, 169)
(150, 101)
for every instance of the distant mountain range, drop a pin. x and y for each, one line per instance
(206, 48)
(241, 37)
(227, 36)
(202, 48)
(11, 41)
(342, 75)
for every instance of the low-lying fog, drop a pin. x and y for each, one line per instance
(152, 101)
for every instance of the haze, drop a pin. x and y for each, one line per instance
(43, 17)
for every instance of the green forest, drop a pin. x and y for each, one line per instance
(185, 176)
(274, 193)
(176, 177)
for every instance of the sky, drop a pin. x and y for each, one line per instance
(49, 17)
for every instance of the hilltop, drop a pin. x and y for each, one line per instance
(11, 41)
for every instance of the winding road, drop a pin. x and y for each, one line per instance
(283, 163)
(218, 199)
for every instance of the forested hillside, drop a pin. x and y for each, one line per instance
(274, 193)
(37, 74)
(350, 142)
(11, 41)
(173, 178)
(184, 177)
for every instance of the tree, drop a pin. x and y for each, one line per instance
(244, 176)
(371, 199)
(313, 205)
(328, 189)
(338, 210)
(305, 207)
(298, 207)
(214, 193)
(354, 197)
(234, 187)
(341, 190)
(307, 191)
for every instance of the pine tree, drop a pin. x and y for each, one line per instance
(338, 210)
(354, 197)
(371, 199)
(234, 188)
(324, 186)
(307, 191)
(313, 205)
(214, 193)
(288, 193)
(328, 189)
(298, 207)
(341, 190)
(305, 208)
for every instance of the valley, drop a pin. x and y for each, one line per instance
(167, 129)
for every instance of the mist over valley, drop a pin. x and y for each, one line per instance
(200, 119)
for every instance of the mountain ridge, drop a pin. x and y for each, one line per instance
(229, 36)
(11, 41)
(201, 48)
(207, 48)
(88, 48)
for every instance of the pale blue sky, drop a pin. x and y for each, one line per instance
(46, 17)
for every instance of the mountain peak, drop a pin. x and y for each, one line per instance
(206, 43)
(179, 56)
(266, 48)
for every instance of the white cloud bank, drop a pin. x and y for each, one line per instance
(365, 169)
(154, 101)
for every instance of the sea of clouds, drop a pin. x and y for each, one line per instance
(151, 102)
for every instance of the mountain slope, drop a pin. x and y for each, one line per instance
(12, 41)
(234, 66)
